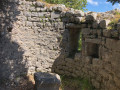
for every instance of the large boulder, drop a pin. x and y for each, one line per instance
(47, 81)
(104, 23)
(91, 17)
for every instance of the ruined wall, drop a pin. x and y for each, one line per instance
(30, 35)
(99, 57)
(34, 37)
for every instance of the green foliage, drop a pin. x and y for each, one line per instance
(112, 24)
(117, 13)
(80, 43)
(76, 4)
(114, 1)
(76, 83)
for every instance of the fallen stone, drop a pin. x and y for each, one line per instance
(47, 81)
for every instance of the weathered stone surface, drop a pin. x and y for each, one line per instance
(118, 27)
(113, 44)
(86, 31)
(97, 41)
(106, 33)
(79, 13)
(95, 24)
(39, 4)
(104, 23)
(69, 13)
(79, 19)
(47, 81)
(55, 15)
(91, 17)
(36, 38)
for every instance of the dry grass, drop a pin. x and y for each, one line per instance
(52, 5)
(117, 17)
(47, 4)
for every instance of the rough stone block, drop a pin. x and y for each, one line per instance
(79, 19)
(69, 13)
(95, 62)
(96, 84)
(96, 41)
(29, 24)
(32, 9)
(95, 24)
(91, 17)
(114, 33)
(85, 31)
(107, 33)
(34, 14)
(27, 14)
(104, 23)
(99, 32)
(43, 9)
(34, 19)
(118, 27)
(113, 44)
(77, 56)
(39, 4)
(47, 81)
(79, 13)
(55, 15)
(88, 60)
(60, 25)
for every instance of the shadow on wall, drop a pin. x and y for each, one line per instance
(69, 47)
(12, 65)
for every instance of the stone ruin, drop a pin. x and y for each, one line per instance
(37, 38)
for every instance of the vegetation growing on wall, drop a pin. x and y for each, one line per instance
(114, 21)
(76, 4)
(76, 83)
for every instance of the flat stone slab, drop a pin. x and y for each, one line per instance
(47, 81)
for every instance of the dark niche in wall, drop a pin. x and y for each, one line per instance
(75, 41)
(93, 50)
(9, 29)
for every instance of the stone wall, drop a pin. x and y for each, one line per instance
(38, 38)
(99, 57)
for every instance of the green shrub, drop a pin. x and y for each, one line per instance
(112, 24)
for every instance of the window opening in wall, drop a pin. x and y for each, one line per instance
(75, 41)
(80, 42)
(93, 50)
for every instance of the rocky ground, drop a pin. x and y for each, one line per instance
(25, 83)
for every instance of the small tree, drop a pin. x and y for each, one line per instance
(114, 1)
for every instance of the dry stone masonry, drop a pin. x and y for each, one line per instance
(37, 38)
